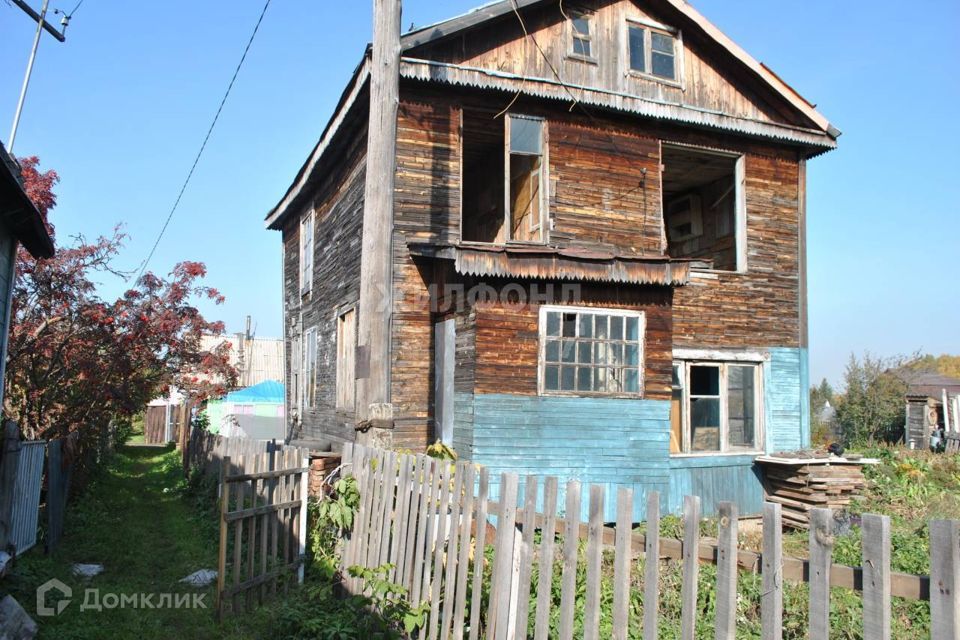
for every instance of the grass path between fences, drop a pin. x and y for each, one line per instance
(138, 520)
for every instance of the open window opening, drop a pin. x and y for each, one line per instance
(703, 211)
(715, 407)
(503, 179)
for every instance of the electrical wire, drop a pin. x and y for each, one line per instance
(196, 160)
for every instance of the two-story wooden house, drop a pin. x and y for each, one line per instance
(597, 250)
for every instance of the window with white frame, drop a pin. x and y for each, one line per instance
(581, 39)
(306, 254)
(652, 52)
(716, 407)
(585, 351)
(346, 350)
(310, 367)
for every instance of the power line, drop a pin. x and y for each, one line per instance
(143, 265)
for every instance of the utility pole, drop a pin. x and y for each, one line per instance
(41, 25)
(374, 408)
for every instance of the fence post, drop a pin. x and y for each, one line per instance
(945, 579)
(222, 555)
(875, 548)
(8, 480)
(651, 569)
(726, 612)
(302, 531)
(771, 598)
(691, 566)
(821, 553)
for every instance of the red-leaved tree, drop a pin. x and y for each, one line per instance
(76, 359)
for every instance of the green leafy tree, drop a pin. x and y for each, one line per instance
(871, 407)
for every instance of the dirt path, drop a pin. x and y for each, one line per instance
(137, 519)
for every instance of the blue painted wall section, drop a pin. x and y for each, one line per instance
(786, 405)
(621, 442)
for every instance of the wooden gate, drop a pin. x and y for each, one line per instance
(263, 523)
(155, 425)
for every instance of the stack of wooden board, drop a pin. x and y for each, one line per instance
(801, 484)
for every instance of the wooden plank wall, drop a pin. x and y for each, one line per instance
(708, 81)
(338, 203)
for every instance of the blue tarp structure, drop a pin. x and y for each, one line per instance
(269, 391)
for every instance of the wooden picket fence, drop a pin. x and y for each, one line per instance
(263, 526)
(428, 519)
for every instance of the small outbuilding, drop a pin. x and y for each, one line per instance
(932, 406)
(255, 412)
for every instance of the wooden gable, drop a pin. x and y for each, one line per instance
(537, 41)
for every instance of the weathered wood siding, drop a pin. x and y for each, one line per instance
(703, 80)
(338, 205)
(760, 307)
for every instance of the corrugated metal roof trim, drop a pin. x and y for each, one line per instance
(558, 267)
(432, 71)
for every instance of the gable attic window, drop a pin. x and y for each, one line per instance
(704, 214)
(652, 52)
(504, 173)
(306, 254)
(581, 40)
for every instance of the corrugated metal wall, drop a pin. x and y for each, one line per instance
(26, 501)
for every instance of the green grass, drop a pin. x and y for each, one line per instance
(141, 522)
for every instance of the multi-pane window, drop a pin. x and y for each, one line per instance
(591, 352)
(306, 254)
(715, 407)
(346, 348)
(652, 51)
(526, 195)
(581, 35)
(310, 367)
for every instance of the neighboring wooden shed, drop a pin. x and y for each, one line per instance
(932, 404)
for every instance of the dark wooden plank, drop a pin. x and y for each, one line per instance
(771, 597)
(502, 580)
(821, 551)
(222, 554)
(945, 579)
(531, 489)
(623, 561)
(478, 556)
(726, 607)
(651, 570)
(545, 564)
(591, 616)
(691, 566)
(571, 540)
(875, 549)
(463, 562)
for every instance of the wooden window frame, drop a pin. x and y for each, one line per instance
(723, 362)
(649, 27)
(309, 368)
(542, 349)
(346, 381)
(307, 253)
(574, 35)
(740, 201)
(544, 181)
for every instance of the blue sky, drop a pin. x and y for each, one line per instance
(121, 108)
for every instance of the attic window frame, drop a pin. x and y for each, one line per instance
(576, 35)
(307, 252)
(649, 27)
